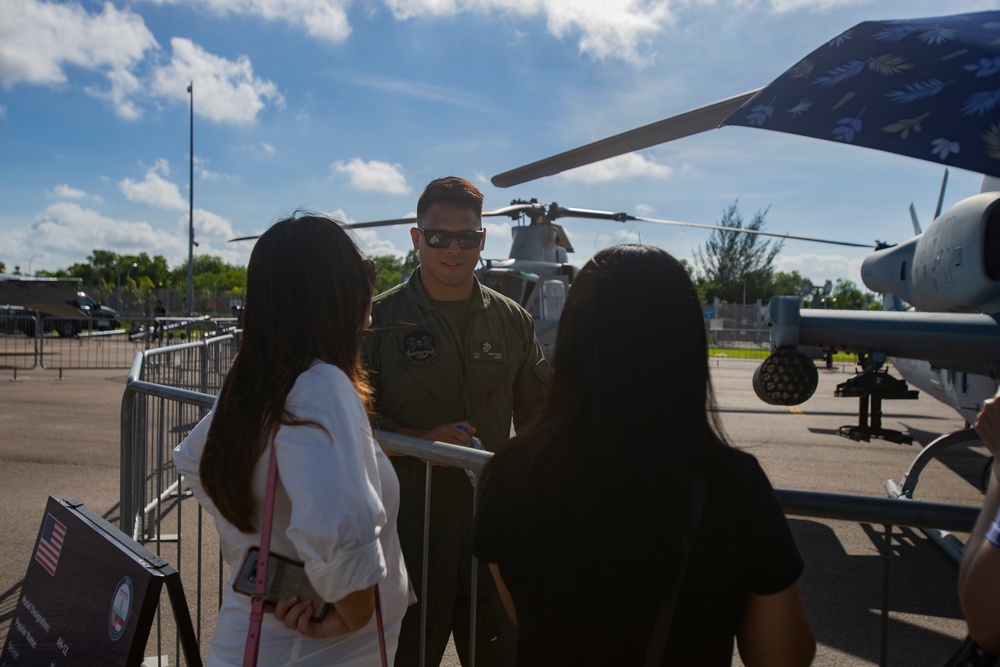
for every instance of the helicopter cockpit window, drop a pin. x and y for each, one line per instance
(509, 284)
(515, 286)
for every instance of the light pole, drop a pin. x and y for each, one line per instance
(31, 258)
(190, 300)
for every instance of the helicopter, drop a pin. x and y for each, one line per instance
(538, 273)
(943, 284)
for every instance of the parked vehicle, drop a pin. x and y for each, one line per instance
(83, 313)
(96, 316)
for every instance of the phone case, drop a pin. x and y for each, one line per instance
(285, 578)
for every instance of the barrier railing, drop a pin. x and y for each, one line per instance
(18, 351)
(62, 344)
(170, 389)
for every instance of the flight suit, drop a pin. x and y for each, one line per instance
(425, 372)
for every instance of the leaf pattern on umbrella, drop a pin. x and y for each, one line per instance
(927, 88)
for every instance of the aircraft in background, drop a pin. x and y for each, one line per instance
(947, 341)
(537, 272)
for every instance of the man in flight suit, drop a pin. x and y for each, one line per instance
(450, 358)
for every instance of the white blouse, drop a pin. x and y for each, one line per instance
(335, 510)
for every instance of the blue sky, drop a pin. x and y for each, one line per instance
(351, 107)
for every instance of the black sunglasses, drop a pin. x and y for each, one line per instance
(439, 238)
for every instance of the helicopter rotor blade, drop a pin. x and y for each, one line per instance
(690, 122)
(752, 231)
(515, 209)
(380, 223)
(556, 211)
(350, 225)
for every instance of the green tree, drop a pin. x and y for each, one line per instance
(389, 269)
(212, 278)
(3, 268)
(104, 269)
(787, 284)
(699, 282)
(847, 296)
(738, 267)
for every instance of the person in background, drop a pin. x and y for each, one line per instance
(297, 385)
(979, 574)
(449, 359)
(159, 310)
(583, 518)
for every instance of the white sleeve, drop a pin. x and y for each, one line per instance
(330, 476)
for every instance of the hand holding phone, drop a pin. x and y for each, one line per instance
(285, 578)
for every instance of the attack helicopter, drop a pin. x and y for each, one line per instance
(943, 284)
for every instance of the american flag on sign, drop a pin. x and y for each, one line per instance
(50, 544)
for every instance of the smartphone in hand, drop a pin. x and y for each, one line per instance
(285, 578)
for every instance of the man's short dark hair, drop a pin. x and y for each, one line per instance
(450, 190)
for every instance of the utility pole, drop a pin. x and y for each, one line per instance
(190, 299)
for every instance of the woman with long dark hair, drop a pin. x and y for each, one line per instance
(584, 518)
(296, 385)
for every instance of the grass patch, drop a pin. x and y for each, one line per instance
(750, 353)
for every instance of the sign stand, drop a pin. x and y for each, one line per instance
(90, 594)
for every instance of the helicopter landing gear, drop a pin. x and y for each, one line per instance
(908, 482)
(871, 386)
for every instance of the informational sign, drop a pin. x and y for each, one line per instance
(89, 595)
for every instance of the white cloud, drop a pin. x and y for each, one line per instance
(64, 228)
(456, 96)
(604, 29)
(498, 238)
(373, 245)
(224, 90)
(607, 29)
(374, 176)
(323, 19)
(41, 38)
(644, 210)
(64, 191)
(124, 86)
(793, 5)
(208, 226)
(155, 191)
(819, 268)
(622, 167)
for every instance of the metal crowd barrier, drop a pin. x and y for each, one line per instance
(171, 388)
(60, 344)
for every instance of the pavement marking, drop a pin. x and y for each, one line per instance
(796, 410)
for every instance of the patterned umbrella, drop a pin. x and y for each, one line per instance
(927, 88)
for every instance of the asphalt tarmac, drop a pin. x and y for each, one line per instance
(61, 438)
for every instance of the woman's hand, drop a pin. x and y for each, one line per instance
(297, 615)
(346, 615)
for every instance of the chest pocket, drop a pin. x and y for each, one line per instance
(490, 367)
